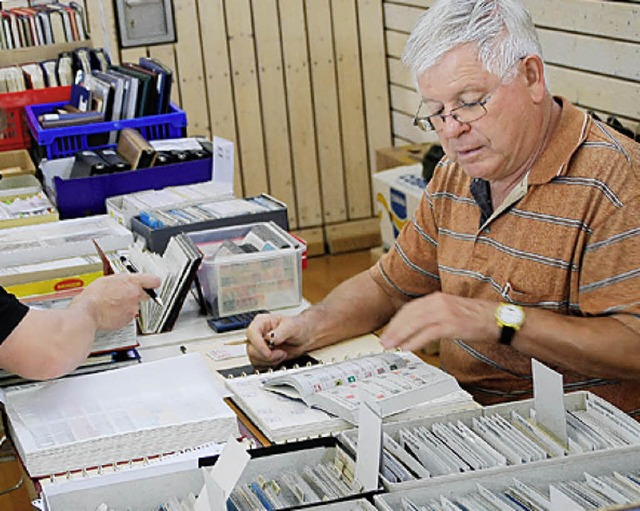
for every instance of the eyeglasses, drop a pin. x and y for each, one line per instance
(466, 113)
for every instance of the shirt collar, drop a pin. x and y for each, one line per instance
(568, 134)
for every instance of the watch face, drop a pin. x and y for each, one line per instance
(511, 315)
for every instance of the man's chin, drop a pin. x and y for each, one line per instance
(474, 170)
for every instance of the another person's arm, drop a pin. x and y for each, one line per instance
(50, 343)
(355, 307)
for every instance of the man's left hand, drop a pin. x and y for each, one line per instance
(426, 320)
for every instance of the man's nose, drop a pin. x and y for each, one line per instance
(452, 127)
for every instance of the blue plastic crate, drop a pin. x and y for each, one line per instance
(63, 142)
(86, 196)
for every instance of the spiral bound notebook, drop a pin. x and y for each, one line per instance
(398, 382)
(116, 417)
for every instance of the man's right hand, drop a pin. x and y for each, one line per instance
(274, 339)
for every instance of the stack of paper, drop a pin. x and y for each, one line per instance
(126, 414)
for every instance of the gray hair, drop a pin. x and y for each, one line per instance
(502, 30)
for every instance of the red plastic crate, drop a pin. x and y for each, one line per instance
(16, 133)
(305, 260)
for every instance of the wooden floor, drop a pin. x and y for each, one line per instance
(321, 276)
(11, 474)
(326, 272)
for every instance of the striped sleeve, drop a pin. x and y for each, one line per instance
(610, 276)
(410, 268)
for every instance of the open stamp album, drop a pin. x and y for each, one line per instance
(324, 399)
(393, 382)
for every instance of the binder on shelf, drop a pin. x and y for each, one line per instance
(99, 59)
(50, 74)
(58, 30)
(80, 61)
(34, 75)
(64, 69)
(163, 81)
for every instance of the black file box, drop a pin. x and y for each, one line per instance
(157, 239)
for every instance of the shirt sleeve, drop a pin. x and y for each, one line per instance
(410, 268)
(12, 311)
(610, 274)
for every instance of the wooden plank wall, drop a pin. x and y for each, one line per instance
(592, 50)
(301, 87)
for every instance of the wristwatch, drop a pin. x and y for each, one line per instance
(510, 318)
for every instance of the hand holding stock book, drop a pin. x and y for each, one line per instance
(177, 268)
(132, 269)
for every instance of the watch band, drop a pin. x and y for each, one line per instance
(506, 335)
(510, 318)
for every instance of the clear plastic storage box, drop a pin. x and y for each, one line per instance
(239, 275)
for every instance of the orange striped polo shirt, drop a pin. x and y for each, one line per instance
(570, 244)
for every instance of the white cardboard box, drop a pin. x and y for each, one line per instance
(125, 207)
(147, 488)
(57, 240)
(396, 194)
(579, 400)
(556, 470)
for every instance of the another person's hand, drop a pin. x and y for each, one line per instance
(423, 321)
(113, 301)
(274, 339)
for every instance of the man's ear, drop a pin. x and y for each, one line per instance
(533, 69)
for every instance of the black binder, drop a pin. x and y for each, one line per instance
(164, 80)
(88, 163)
(115, 162)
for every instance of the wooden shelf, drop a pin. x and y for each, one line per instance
(35, 53)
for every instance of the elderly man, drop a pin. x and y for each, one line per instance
(526, 242)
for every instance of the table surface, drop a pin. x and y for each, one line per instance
(191, 333)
